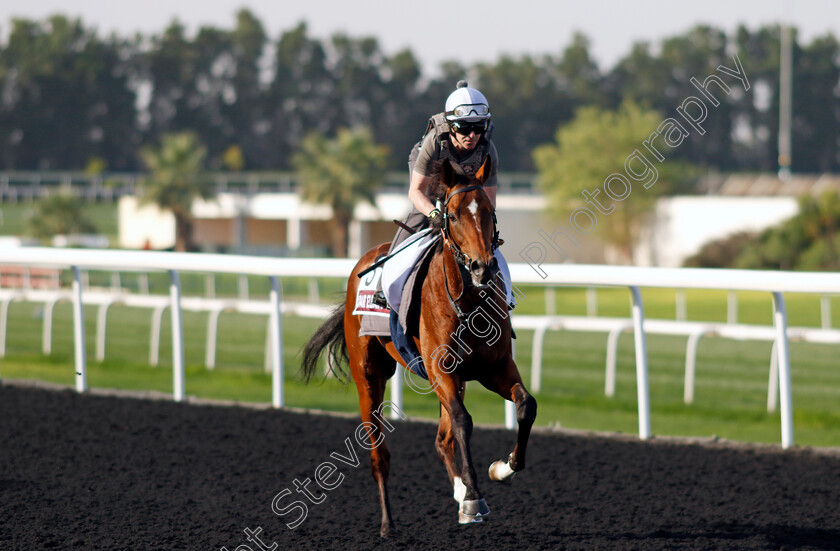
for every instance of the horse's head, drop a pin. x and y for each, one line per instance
(469, 221)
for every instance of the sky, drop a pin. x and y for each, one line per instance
(439, 30)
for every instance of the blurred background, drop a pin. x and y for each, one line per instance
(283, 129)
(265, 128)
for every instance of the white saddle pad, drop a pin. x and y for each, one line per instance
(398, 267)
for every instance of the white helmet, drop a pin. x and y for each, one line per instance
(467, 104)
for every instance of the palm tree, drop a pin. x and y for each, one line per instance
(176, 181)
(59, 214)
(341, 173)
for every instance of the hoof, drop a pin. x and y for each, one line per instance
(387, 531)
(500, 471)
(464, 518)
(473, 511)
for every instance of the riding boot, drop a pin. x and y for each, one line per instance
(415, 220)
(379, 297)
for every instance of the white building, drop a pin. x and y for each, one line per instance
(281, 224)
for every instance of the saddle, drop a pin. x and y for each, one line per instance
(408, 279)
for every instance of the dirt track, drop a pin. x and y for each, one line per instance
(95, 472)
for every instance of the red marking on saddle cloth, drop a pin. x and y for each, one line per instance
(365, 304)
(364, 295)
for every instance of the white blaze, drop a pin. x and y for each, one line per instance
(473, 208)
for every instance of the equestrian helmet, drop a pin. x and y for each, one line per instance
(466, 104)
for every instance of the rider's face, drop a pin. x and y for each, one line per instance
(464, 142)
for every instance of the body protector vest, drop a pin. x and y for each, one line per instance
(465, 164)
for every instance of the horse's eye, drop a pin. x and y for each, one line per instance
(452, 218)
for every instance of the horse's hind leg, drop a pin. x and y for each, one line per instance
(509, 385)
(369, 365)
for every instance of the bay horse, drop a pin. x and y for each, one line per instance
(463, 334)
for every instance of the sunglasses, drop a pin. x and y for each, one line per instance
(465, 128)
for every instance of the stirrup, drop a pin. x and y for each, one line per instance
(379, 299)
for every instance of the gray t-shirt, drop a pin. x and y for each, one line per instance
(430, 152)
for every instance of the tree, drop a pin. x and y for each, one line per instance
(816, 106)
(65, 97)
(341, 173)
(405, 108)
(59, 214)
(807, 241)
(593, 146)
(176, 181)
(527, 104)
(663, 81)
(243, 109)
(723, 252)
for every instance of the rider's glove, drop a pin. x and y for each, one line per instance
(436, 219)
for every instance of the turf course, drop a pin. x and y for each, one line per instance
(731, 385)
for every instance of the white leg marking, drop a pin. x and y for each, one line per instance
(500, 471)
(460, 490)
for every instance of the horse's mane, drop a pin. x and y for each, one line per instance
(438, 188)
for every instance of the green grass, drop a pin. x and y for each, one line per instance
(15, 218)
(730, 392)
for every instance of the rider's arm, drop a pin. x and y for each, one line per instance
(420, 181)
(417, 192)
(492, 183)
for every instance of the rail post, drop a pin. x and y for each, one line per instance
(276, 322)
(79, 331)
(642, 390)
(212, 336)
(177, 337)
(154, 335)
(396, 392)
(786, 401)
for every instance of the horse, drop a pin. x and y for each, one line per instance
(458, 313)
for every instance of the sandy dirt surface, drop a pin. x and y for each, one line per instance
(101, 472)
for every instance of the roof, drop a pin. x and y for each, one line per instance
(769, 185)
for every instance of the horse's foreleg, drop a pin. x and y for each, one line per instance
(511, 388)
(473, 506)
(445, 446)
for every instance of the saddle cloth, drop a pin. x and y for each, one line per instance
(402, 277)
(399, 280)
(400, 271)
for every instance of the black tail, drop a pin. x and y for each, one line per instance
(329, 336)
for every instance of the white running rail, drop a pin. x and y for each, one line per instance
(632, 278)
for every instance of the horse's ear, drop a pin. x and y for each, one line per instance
(447, 174)
(483, 173)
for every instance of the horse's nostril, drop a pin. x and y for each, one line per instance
(476, 266)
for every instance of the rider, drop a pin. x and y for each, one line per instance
(460, 134)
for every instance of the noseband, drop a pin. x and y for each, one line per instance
(461, 259)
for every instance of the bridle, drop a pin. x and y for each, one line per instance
(461, 259)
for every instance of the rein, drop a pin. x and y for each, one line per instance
(461, 260)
